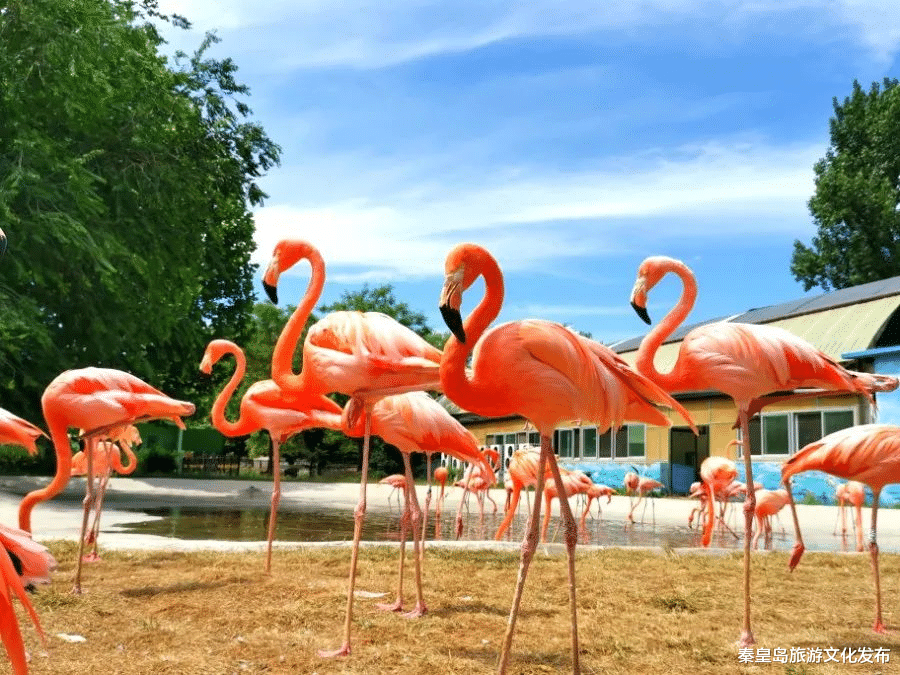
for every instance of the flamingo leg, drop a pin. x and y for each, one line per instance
(397, 605)
(878, 626)
(94, 534)
(427, 504)
(510, 511)
(463, 500)
(571, 538)
(412, 501)
(359, 515)
(747, 639)
(529, 546)
(90, 444)
(276, 498)
(858, 527)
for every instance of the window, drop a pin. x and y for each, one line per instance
(628, 441)
(534, 438)
(604, 445)
(589, 442)
(564, 444)
(786, 433)
(635, 440)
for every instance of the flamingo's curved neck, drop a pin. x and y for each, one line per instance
(283, 356)
(457, 386)
(123, 469)
(670, 381)
(59, 434)
(217, 415)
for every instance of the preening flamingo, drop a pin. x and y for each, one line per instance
(24, 562)
(363, 355)
(414, 422)
(102, 401)
(644, 486)
(544, 372)
(107, 458)
(744, 361)
(868, 453)
(265, 406)
(852, 493)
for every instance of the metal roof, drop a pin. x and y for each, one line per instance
(846, 321)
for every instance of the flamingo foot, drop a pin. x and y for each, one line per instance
(419, 611)
(459, 527)
(396, 606)
(344, 650)
(796, 554)
(91, 557)
(76, 589)
(879, 627)
(747, 640)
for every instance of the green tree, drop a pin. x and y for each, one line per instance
(125, 189)
(855, 206)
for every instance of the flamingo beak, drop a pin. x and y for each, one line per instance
(270, 279)
(454, 322)
(451, 299)
(639, 299)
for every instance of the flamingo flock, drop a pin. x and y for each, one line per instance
(532, 368)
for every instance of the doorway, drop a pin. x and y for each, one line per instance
(686, 453)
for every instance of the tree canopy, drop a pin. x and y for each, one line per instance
(125, 187)
(855, 206)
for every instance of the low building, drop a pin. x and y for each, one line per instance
(857, 326)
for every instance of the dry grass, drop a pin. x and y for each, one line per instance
(214, 613)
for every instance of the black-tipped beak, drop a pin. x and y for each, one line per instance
(454, 322)
(272, 292)
(641, 312)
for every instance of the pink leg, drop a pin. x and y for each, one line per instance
(529, 546)
(427, 502)
(397, 605)
(415, 518)
(89, 445)
(878, 626)
(747, 639)
(276, 497)
(359, 515)
(94, 534)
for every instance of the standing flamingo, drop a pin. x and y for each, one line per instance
(644, 487)
(596, 491)
(414, 422)
(107, 458)
(266, 406)
(574, 482)
(101, 401)
(366, 355)
(717, 474)
(522, 474)
(397, 481)
(852, 493)
(441, 475)
(23, 562)
(768, 504)
(868, 453)
(544, 372)
(744, 361)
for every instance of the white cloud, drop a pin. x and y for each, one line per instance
(737, 190)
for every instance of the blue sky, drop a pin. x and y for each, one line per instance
(570, 139)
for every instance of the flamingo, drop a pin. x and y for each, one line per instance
(868, 453)
(522, 474)
(744, 361)
(441, 475)
(414, 422)
(544, 372)
(768, 504)
(364, 355)
(851, 493)
(574, 482)
(596, 491)
(102, 401)
(266, 406)
(107, 458)
(24, 562)
(397, 481)
(717, 474)
(645, 485)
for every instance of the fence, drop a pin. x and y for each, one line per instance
(211, 464)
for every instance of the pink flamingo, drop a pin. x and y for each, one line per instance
(544, 372)
(266, 406)
(630, 482)
(522, 474)
(868, 453)
(441, 475)
(596, 491)
(102, 401)
(363, 355)
(768, 504)
(24, 562)
(851, 493)
(645, 486)
(744, 361)
(574, 482)
(107, 458)
(397, 481)
(414, 422)
(717, 474)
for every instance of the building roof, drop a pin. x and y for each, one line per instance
(846, 321)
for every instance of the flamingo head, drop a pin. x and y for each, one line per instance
(286, 254)
(463, 265)
(215, 350)
(352, 420)
(649, 274)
